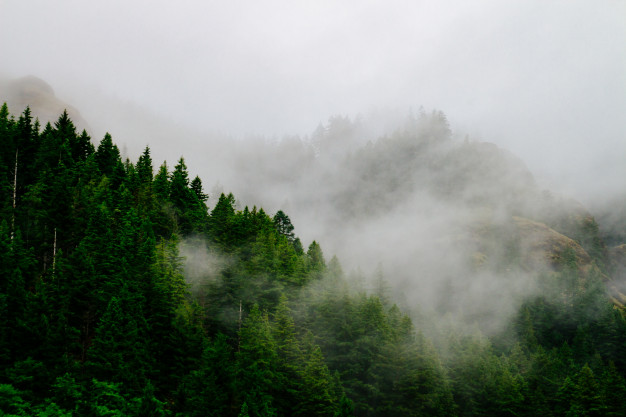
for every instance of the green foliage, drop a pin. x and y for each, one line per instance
(188, 205)
(209, 390)
(11, 401)
(385, 368)
(117, 352)
(97, 319)
(196, 187)
(221, 220)
(283, 225)
(144, 167)
(107, 156)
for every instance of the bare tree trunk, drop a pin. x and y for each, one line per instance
(14, 195)
(239, 332)
(54, 251)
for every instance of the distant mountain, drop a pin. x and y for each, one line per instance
(416, 178)
(40, 97)
(123, 293)
(410, 196)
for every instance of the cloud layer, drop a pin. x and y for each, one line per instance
(545, 80)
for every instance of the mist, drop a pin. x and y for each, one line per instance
(544, 81)
(292, 105)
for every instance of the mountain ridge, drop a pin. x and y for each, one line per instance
(101, 313)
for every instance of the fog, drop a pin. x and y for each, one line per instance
(547, 81)
(248, 92)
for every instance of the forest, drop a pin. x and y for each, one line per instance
(99, 315)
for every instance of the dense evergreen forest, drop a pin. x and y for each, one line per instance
(97, 318)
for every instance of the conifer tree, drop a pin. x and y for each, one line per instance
(283, 225)
(144, 167)
(81, 147)
(162, 183)
(179, 186)
(587, 400)
(107, 156)
(221, 220)
(209, 390)
(257, 363)
(196, 187)
(315, 258)
(118, 353)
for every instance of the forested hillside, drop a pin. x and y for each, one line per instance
(101, 315)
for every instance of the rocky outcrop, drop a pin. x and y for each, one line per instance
(542, 246)
(40, 97)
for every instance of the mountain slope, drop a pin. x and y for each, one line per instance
(502, 286)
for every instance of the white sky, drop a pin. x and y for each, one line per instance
(545, 79)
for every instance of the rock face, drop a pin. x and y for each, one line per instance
(617, 257)
(543, 246)
(39, 96)
(527, 244)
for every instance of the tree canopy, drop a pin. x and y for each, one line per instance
(99, 315)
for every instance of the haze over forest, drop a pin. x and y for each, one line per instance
(216, 84)
(465, 162)
(544, 81)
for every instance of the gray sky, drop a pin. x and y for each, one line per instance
(545, 79)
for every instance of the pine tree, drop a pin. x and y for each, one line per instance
(209, 390)
(613, 388)
(149, 405)
(221, 220)
(257, 363)
(144, 167)
(587, 399)
(162, 183)
(179, 186)
(16, 268)
(81, 147)
(107, 156)
(315, 260)
(196, 187)
(118, 352)
(283, 225)
(318, 390)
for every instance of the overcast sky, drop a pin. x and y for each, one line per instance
(545, 79)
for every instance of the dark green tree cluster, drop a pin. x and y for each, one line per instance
(97, 319)
(91, 288)
(385, 366)
(562, 355)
